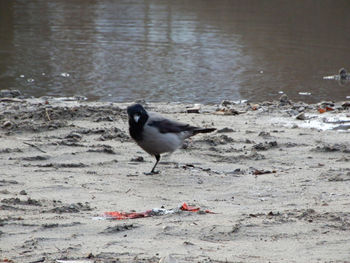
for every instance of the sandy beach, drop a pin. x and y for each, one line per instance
(276, 176)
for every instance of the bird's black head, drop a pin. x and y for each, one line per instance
(136, 111)
(137, 119)
(342, 73)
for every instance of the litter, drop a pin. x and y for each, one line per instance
(195, 109)
(305, 93)
(323, 110)
(116, 215)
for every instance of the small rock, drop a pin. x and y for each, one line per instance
(301, 116)
(118, 228)
(7, 124)
(36, 158)
(337, 147)
(226, 129)
(225, 111)
(237, 171)
(74, 135)
(346, 104)
(264, 134)
(23, 192)
(137, 159)
(265, 146)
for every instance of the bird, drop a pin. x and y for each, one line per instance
(343, 74)
(156, 134)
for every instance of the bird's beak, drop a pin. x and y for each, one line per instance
(136, 118)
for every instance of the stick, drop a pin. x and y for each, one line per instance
(336, 122)
(36, 147)
(47, 114)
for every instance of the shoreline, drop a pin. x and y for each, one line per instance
(275, 177)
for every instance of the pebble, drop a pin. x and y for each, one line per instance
(23, 192)
(7, 124)
(346, 104)
(226, 129)
(301, 116)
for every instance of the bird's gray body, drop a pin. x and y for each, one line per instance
(155, 142)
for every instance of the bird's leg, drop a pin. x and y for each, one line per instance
(153, 171)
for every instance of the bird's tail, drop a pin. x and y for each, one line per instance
(203, 130)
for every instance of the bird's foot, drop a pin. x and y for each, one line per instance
(151, 173)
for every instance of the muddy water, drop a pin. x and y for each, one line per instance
(202, 51)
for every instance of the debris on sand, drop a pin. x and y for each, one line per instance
(265, 146)
(261, 171)
(226, 111)
(336, 147)
(42, 115)
(119, 228)
(72, 208)
(153, 212)
(17, 201)
(137, 159)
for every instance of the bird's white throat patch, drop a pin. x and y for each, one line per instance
(136, 118)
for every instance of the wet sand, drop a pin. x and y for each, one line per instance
(279, 188)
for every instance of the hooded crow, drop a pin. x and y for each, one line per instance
(156, 134)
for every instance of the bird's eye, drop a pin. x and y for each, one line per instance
(136, 117)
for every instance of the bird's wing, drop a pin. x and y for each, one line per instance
(168, 126)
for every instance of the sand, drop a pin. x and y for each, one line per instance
(276, 174)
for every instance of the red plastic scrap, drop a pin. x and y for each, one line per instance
(124, 215)
(132, 215)
(186, 207)
(323, 110)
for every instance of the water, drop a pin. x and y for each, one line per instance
(163, 50)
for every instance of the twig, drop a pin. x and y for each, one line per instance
(36, 147)
(337, 122)
(47, 114)
(342, 127)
